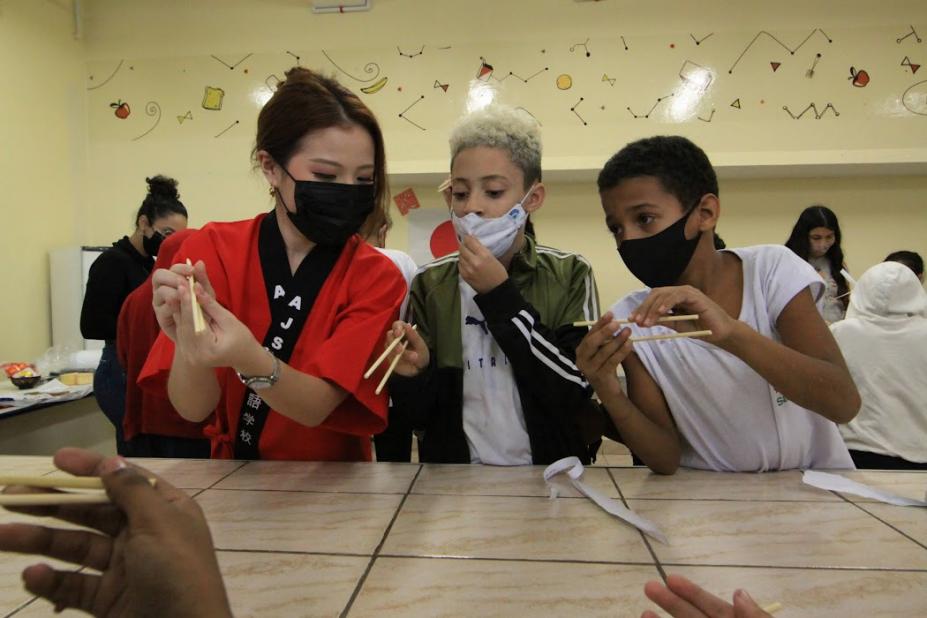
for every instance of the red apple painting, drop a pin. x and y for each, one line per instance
(859, 78)
(122, 109)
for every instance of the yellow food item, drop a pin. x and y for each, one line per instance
(76, 378)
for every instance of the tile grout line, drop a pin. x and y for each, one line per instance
(877, 518)
(792, 567)
(519, 560)
(243, 464)
(376, 551)
(21, 607)
(653, 554)
(315, 491)
(292, 552)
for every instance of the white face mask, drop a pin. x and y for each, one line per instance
(497, 234)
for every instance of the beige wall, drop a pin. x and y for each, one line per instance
(42, 119)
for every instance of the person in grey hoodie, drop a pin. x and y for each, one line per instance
(884, 342)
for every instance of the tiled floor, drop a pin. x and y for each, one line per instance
(312, 539)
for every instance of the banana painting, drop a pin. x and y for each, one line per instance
(376, 87)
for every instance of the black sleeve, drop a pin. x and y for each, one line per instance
(105, 293)
(543, 359)
(415, 397)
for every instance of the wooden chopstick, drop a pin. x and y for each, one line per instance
(696, 333)
(58, 482)
(444, 186)
(668, 318)
(772, 608)
(389, 370)
(386, 352)
(52, 499)
(199, 321)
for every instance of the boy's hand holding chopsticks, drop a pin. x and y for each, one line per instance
(601, 351)
(713, 323)
(406, 352)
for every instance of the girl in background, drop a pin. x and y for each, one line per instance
(118, 271)
(816, 239)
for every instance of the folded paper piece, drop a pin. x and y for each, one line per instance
(835, 482)
(574, 470)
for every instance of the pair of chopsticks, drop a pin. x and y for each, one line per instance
(55, 482)
(669, 318)
(199, 320)
(392, 365)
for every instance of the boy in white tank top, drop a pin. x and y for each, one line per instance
(765, 390)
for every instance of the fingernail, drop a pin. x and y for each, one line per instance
(113, 464)
(744, 595)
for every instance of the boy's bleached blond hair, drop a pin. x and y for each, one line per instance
(506, 128)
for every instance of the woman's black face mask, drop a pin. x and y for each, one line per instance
(660, 260)
(328, 213)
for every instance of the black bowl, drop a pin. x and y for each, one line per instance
(26, 381)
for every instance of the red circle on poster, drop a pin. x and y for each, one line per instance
(443, 240)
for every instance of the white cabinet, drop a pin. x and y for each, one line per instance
(69, 269)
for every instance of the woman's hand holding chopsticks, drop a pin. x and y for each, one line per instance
(168, 285)
(151, 546)
(220, 340)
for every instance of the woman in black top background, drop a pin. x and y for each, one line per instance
(119, 270)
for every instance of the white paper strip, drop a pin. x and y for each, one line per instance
(834, 482)
(574, 470)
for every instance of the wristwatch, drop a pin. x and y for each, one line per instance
(258, 383)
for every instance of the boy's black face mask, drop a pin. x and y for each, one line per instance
(659, 260)
(328, 213)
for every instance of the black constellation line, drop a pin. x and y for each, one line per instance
(814, 65)
(107, 80)
(784, 46)
(226, 129)
(411, 54)
(584, 45)
(647, 115)
(370, 67)
(699, 41)
(711, 116)
(151, 109)
(403, 112)
(912, 33)
(289, 53)
(573, 109)
(813, 109)
(519, 77)
(231, 66)
(625, 43)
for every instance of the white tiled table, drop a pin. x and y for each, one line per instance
(316, 539)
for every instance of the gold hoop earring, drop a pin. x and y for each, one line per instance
(273, 191)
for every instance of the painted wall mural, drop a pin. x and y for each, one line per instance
(755, 84)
